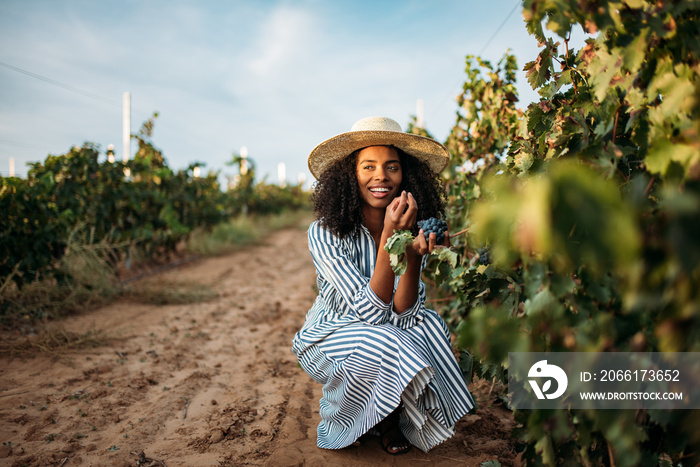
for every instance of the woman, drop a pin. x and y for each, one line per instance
(384, 359)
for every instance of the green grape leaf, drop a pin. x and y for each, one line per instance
(396, 247)
(545, 449)
(446, 254)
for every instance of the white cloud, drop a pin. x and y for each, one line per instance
(282, 39)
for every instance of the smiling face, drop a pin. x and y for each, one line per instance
(379, 175)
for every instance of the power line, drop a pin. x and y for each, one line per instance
(4, 142)
(63, 85)
(175, 128)
(483, 49)
(82, 92)
(488, 42)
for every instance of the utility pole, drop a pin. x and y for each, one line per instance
(420, 123)
(244, 156)
(243, 171)
(282, 174)
(126, 126)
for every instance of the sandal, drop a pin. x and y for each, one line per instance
(357, 443)
(392, 439)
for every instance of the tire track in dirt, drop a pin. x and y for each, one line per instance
(213, 383)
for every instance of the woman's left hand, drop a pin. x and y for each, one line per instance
(420, 246)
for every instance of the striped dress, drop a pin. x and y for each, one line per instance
(371, 360)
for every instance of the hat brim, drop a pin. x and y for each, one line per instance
(338, 147)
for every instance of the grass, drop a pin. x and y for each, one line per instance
(155, 291)
(55, 341)
(94, 280)
(92, 284)
(244, 231)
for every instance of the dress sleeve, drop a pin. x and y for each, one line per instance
(335, 266)
(413, 315)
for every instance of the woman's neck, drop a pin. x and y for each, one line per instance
(374, 221)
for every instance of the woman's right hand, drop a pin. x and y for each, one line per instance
(401, 213)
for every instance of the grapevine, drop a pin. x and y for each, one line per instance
(589, 202)
(151, 210)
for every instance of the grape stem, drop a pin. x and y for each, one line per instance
(460, 232)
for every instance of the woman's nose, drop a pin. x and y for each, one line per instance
(380, 173)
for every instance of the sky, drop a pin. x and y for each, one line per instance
(276, 77)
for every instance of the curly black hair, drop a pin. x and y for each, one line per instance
(338, 203)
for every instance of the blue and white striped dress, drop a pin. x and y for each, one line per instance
(371, 360)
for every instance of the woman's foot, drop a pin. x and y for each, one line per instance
(393, 441)
(358, 442)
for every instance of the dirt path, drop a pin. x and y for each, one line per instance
(211, 384)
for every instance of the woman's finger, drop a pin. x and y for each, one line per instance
(420, 243)
(412, 205)
(432, 241)
(411, 211)
(401, 201)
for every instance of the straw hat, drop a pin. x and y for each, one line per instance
(377, 131)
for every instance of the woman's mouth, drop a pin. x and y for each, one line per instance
(380, 191)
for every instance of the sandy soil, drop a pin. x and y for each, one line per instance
(211, 384)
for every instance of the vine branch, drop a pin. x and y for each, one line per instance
(617, 117)
(566, 47)
(459, 233)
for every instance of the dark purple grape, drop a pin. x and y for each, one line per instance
(436, 226)
(484, 255)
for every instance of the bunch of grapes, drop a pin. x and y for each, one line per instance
(436, 226)
(484, 256)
